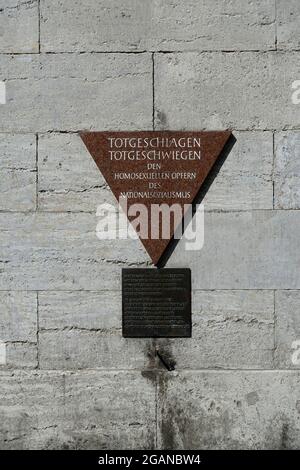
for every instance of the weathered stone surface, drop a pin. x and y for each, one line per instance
(85, 410)
(82, 310)
(113, 410)
(288, 24)
(47, 251)
(32, 410)
(84, 330)
(218, 25)
(225, 90)
(231, 329)
(19, 26)
(229, 410)
(18, 328)
(287, 170)
(21, 355)
(287, 304)
(76, 92)
(69, 180)
(112, 25)
(241, 250)
(245, 250)
(245, 179)
(137, 25)
(18, 317)
(17, 172)
(81, 349)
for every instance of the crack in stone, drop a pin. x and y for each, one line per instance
(18, 6)
(7, 168)
(71, 190)
(81, 329)
(30, 343)
(236, 319)
(126, 263)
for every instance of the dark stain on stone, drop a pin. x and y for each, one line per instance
(167, 428)
(175, 427)
(252, 398)
(149, 375)
(212, 406)
(166, 360)
(168, 432)
(66, 446)
(162, 119)
(279, 433)
(149, 372)
(149, 351)
(284, 436)
(164, 355)
(238, 403)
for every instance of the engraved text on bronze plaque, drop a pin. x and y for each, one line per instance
(156, 302)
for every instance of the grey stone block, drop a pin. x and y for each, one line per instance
(218, 25)
(113, 410)
(245, 250)
(77, 92)
(85, 410)
(18, 329)
(69, 179)
(84, 349)
(19, 26)
(288, 24)
(17, 172)
(116, 25)
(225, 90)
(21, 355)
(287, 170)
(231, 329)
(83, 330)
(32, 410)
(48, 251)
(287, 305)
(83, 310)
(245, 179)
(229, 410)
(18, 319)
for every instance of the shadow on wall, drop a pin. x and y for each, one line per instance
(201, 194)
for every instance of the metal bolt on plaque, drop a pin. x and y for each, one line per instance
(157, 175)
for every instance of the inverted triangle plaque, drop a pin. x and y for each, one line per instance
(155, 167)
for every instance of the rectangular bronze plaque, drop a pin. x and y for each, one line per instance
(156, 303)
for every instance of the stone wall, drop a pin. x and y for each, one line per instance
(68, 379)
